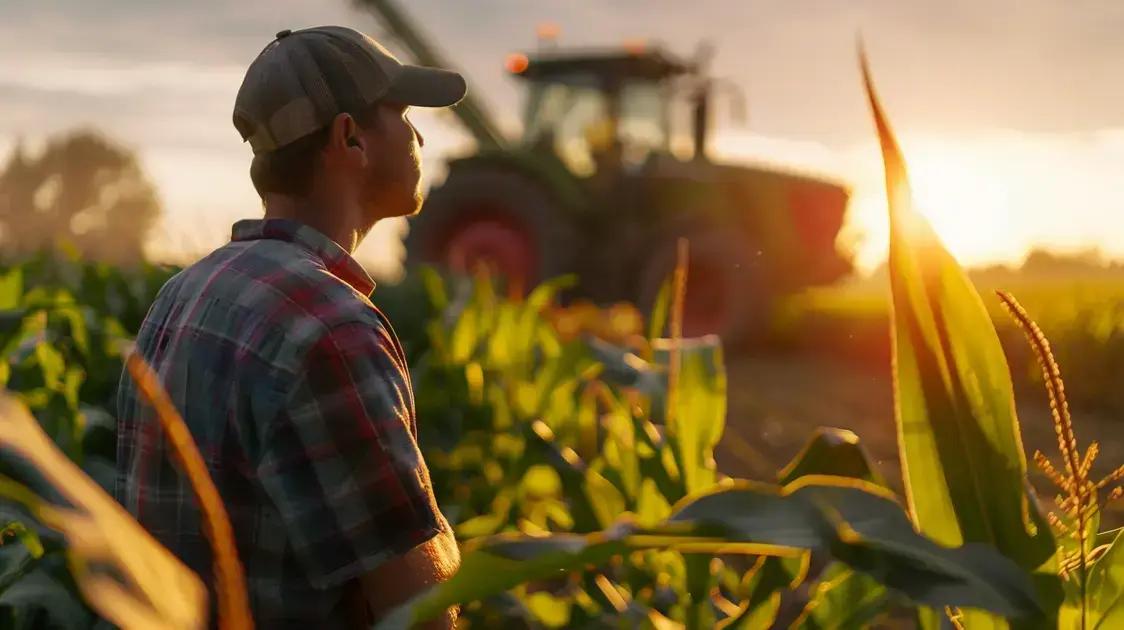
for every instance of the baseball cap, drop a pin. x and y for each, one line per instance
(303, 79)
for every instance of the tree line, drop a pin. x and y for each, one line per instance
(81, 192)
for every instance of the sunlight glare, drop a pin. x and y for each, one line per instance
(967, 205)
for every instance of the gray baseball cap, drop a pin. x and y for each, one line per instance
(303, 79)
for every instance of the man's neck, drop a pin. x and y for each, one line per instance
(342, 222)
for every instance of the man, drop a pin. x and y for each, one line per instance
(292, 383)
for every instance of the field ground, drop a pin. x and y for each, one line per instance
(776, 401)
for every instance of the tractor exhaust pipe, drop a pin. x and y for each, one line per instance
(702, 121)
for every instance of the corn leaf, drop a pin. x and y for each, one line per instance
(607, 502)
(962, 455)
(841, 597)
(761, 589)
(659, 315)
(863, 526)
(856, 523)
(1106, 587)
(16, 561)
(495, 565)
(11, 288)
(844, 600)
(41, 589)
(831, 451)
(145, 586)
(696, 425)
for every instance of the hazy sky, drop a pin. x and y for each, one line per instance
(1010, 111)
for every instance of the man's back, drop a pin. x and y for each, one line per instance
(297, 393)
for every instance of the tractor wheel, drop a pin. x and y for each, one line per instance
(726, 294)
(496, 219)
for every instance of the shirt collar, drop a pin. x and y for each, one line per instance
(335, 258)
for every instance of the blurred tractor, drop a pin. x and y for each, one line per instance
(593, 188)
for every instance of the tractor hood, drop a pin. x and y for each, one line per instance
(793, 218)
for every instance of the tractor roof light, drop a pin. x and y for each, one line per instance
(517, 63)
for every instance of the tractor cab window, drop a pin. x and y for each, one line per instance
(573, 120)
(643, 126)
(587, 125)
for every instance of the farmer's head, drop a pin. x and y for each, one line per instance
(326, 112)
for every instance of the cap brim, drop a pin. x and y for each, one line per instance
(426, 87)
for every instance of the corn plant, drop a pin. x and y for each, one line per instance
(961, 450)
(588, 450)
(560, 463)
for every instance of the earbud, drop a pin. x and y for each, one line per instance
(352, 142)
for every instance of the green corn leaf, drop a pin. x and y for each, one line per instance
(1107, 537)
(607, 502)
(465, 336)
(621, 441)
(11, 288)
(700, 613)
(831, 451)
(841, 597)
(434, 288)
(1113, 618)
(41, 589)
(77, 331)
(856, 523)
(1106, 587)
(495, 565)
(543, 294)
(761, 588)
(651, 506)
(844, 600)
(961, 451)
(587, 421)
(551, 611)
(863, 526)
(51, 364)
(27, 536)
(16, 560)
(121, 570)
(660, 311)
(697, 424)
(622, 367)
(541, 447)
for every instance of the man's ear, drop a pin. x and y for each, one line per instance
(345, 140)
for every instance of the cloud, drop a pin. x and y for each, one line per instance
(1030, 64)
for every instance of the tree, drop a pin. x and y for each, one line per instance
(82, 191)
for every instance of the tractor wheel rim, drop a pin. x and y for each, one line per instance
(497, 246)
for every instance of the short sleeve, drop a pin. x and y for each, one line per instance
(341, 460)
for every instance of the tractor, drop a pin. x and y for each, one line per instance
(596, 188)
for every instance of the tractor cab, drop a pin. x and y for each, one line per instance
(621, 124)
(601, 110)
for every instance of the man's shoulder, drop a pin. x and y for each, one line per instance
(279, 284)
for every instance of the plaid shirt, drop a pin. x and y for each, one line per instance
(296, 390)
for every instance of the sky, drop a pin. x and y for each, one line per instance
(1010, 112)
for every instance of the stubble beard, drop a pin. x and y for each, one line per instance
(418, 199)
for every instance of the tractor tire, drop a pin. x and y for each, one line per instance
(496, 218)
(727, 294)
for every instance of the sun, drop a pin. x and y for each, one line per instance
(967, 205)
(957, 189)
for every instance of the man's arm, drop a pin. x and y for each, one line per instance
(342, 464)
(410, 574)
